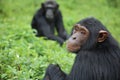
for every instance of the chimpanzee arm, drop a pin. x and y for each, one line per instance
(35, 18)
(33, 23)
(53, 72)
(46, 30)
(60, 27)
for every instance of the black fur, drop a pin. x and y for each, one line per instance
(45, 27)
(95, 61)
(53, 72)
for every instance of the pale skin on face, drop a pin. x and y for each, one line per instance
(79, 37)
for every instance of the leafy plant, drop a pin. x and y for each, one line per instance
(24, 56)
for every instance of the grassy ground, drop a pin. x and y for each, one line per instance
(25, 57)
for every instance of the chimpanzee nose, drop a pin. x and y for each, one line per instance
(49, 16)
(74, 38)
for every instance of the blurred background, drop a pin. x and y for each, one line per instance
(25, 57)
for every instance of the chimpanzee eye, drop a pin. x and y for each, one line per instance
(82, 32)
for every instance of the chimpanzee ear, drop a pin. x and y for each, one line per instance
(102, 35)
(42, 5)
(57, 6)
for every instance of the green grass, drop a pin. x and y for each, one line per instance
(25, 57)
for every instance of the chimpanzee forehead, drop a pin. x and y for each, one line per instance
(79, 25)
(50, 4)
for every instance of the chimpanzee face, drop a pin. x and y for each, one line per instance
(50, 8)
(78, 38)
(80, 35)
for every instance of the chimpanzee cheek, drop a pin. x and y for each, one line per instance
(81, 39)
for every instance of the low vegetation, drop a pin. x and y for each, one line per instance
(25, 57)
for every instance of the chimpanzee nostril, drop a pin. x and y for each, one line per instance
(74, 38)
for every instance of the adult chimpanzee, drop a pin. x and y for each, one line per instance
(46, 19)
(97, 54)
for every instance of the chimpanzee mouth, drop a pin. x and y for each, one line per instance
(73, 48)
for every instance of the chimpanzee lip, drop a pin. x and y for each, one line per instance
(72, 49)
